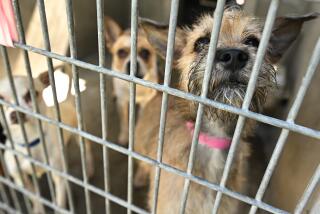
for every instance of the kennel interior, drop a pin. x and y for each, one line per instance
(292, 175)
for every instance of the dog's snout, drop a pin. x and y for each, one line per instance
(232, 59)
(14, 117)
(138, 72)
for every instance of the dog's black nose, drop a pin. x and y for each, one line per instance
(14, 117)
(139, 74)
(232, 59)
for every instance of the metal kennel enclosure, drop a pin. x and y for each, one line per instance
(286, 126)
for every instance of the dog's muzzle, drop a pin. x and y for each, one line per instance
(139, 74)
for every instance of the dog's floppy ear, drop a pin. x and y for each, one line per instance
(112, 31)
(157, 35)
(285, 30)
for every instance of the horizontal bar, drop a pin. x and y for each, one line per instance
(146, 159)
(249, 114)
(8, 209)
(73, 179)
(24, 191)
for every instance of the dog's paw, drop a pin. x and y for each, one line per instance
(90, 167)
(123, 139)
(140, 179)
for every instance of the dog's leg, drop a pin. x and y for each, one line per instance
(142, 175)
(124, 123)
(89, 158)
(60, 188)
(38, 207)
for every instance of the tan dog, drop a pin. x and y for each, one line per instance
(236, 52)
(68, 116)
(118, 43)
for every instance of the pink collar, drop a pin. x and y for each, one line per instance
(210, 141)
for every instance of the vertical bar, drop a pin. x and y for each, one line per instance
(75, 74)
(218, 14)
(132, 103)
(8, 133)
(314, 61)
(308, 191)
(28, 70)
(164, 104)
(23, 131)
(271, 16)
(103, 100)
(47, 46)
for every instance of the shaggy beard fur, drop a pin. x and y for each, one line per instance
(227, 88)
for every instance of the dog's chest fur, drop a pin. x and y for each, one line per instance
(211, 162)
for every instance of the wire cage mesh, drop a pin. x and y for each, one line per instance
(10, 201)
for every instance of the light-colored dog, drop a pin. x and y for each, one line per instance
(51, 136)
(118, 43)
(236, 52)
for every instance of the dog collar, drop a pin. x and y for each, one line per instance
(210, 141)
(32, 144)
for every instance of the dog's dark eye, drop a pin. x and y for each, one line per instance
(201, 43)
(252, 41)
(27, 97)
(122, 53)
(144, 54)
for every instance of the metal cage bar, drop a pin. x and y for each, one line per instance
(3, 194)
(78, 182)
(164, 104)
(243, 113)
(20, 30)
(75, 75)
(308, 191)
(218, 14)
(45, 32)
(271, 16)
(103, 99)
(26, 192)
(314, 62)
(13, 193)
(178, 93)
(6, 127)
(132, 93)
(135, 155)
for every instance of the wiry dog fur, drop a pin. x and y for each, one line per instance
(68, 116)
(118, 43)
(241, 33)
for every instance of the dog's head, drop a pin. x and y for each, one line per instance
(238, 42)
(118, 43)
(24, 97)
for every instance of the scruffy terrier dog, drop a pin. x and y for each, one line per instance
(68, 116)
(118, 43)
(236, 52)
